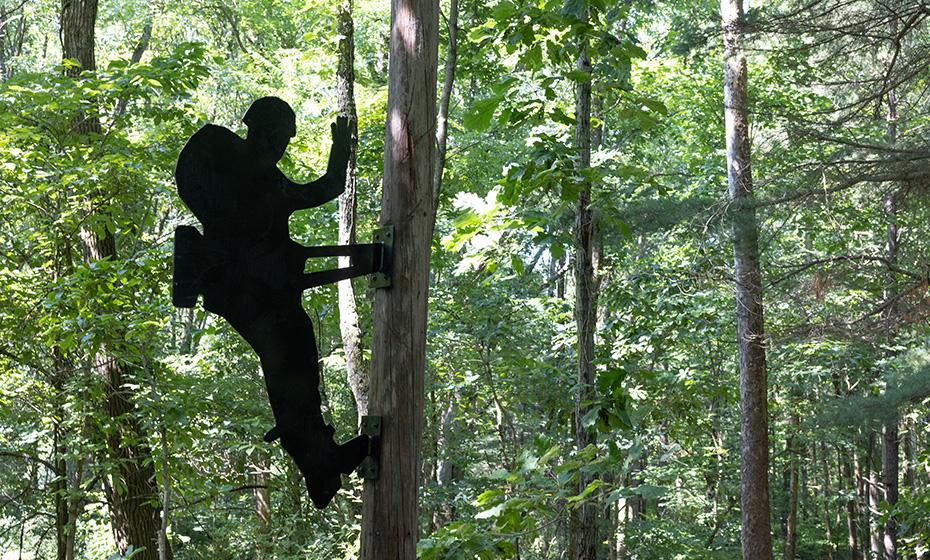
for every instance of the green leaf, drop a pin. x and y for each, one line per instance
(466, 219)
(481, 113)
(492, 512)
(655, 105)
(574, 8)
(579, 76)
(594, 485)
(559, 116)
(590, 419)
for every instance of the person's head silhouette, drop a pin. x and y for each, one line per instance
(272, 124)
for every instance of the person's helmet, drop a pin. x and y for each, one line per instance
(273, 115)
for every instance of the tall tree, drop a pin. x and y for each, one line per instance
(131, 491)
(583, 537)
(753, 383)
(356, 368)
(389, 511)
(890, 440)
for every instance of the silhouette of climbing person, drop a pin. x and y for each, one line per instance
(251, 272)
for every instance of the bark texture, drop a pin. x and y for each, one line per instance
(583, 535)
(356, 368)
(389, 511)
(754, 456)
(131, 492)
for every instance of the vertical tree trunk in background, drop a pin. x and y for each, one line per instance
(890, 442)
(356, 368)
(262, 503)
(131, 492)
(862, 494)
(389, 510)
(791, 520)
(828, 491)
(583, 534)
(442, 121)
(847, 481)
(754, 457)
(910, 454)
(873, 496)
(890, 484)
(445, 469)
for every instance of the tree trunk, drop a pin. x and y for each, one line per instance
(791, 520)
(756, 526)
(445, 469)
(356, 368)
(131, 492)
(583, 534)
(873, 495)
(851, 530)
(262, 503)
(389, 511)
(890, 442)
(890, 484)
(827, 492)
(862, 490)
(442, 121)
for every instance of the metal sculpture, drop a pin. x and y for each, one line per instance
(250, 272)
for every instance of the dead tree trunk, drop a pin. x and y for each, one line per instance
(389, 510)
(756, 526)
(131, 492)
(356, 368)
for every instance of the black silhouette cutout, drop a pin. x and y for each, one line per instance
(250, 272)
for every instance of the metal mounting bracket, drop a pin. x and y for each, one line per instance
(371, 427)
(382, 278)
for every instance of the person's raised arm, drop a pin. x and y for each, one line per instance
(330, 185)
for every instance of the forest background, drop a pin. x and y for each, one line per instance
(123, 418)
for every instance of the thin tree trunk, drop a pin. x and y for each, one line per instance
(890, 483)
(873, 493)
(445, 470)
(442, 121)
(756, 526)
(851, 529)
(890, 442)
(141, 45)
(356, 368)
(75, 504)
(262, 503)
(59, 493)
(389, 511)
(583, 534)
(862, 491)
(791, 521)
(825, 494)
(132, 495)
